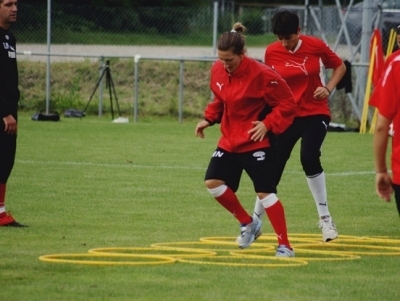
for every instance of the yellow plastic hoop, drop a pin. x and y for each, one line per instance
(314, 236)
(222, 240)
(367, 239)
(288, 262)
(339, 256)
(353, 252)
(117, 251)
(61, 258)
(207, 246)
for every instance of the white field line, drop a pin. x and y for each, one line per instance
(138, 166)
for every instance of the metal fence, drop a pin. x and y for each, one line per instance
(185, 26)
(180, 34)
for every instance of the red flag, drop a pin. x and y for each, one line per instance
(379, 58)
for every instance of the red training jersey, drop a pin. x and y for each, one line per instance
(245, 96)
(389, 107)
(302, 70)
(375, 95)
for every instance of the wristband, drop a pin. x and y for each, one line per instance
(329, 91)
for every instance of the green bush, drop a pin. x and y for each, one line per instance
(254, 21)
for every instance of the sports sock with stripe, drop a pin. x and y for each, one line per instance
(276, 214)
(229, 201)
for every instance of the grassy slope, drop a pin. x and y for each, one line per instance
(72, 84)
(83, 184)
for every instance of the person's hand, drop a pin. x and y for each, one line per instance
(200, 127)
(10, 125)
(383, 185)
(320, 93)
(258, 132)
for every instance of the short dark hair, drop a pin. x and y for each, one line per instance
(398, 29)
(285, 23)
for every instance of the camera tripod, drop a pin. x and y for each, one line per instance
(111, 89)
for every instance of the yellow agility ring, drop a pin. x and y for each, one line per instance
(172, 252)
(318, 237)
(368, 240)
(248, 261)
(141, 259)
(292, 238)
(203, 245)
(354, 249)
(223, 251)
(318, 255)
(230, 241)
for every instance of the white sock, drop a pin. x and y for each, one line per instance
(269, 200)
(261, 205)
(218, 191)
(258, 209)
(2, 209)
(318, 190)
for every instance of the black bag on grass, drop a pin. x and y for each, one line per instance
(74, 113)
(46, 117)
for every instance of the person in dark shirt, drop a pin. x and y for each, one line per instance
(9, 97)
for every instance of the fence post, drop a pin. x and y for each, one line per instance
(367, 16)
(48, 56)
(101, 88)
(181, 90)
(215, 29)
(136, 94)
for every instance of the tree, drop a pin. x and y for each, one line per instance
(130, 3)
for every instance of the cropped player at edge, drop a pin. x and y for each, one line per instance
(386, 98)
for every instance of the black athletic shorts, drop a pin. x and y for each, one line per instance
(396, 189)
(8, 147)
(258, 164)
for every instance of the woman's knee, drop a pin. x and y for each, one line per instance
(311, 164)
(213, 183)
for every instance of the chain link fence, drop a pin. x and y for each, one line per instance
(92, 34)
(156, 26)
(72, 24)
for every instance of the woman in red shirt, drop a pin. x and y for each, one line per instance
(299, 59)
(250, 101)
(388, 93)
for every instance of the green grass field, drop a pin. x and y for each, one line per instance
(90, 183)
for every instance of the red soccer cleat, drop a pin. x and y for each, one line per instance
(6, 220)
